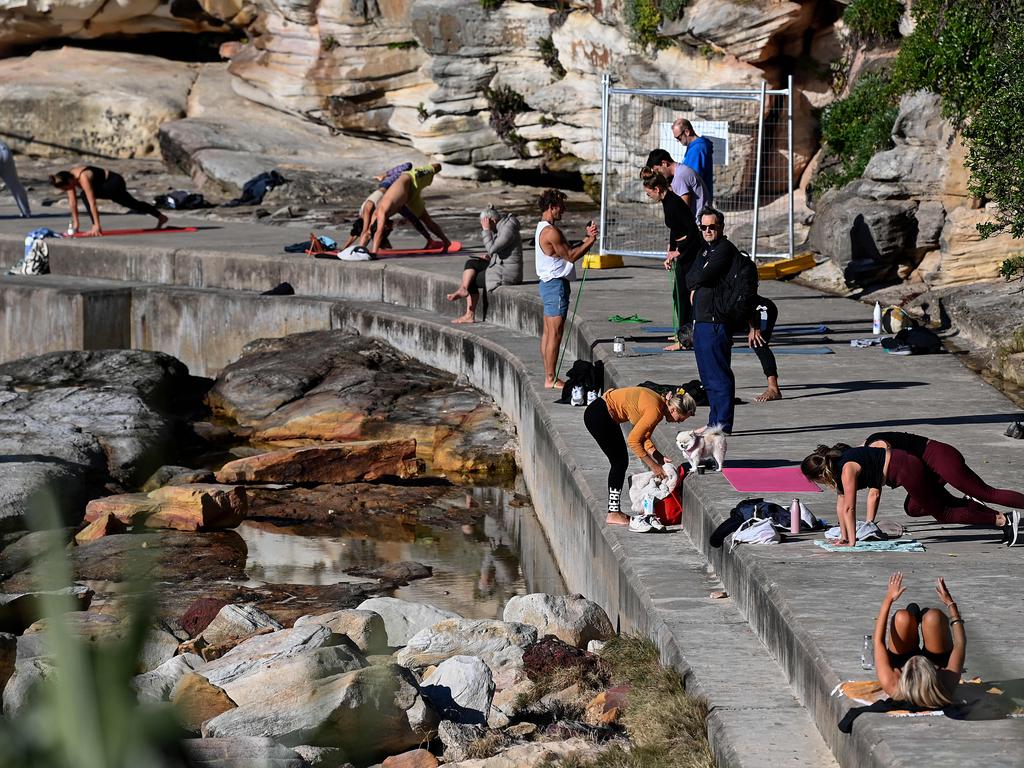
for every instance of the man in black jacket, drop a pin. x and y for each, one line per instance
(712, 337)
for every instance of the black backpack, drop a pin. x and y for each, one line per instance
(583, 373)
(737, 292)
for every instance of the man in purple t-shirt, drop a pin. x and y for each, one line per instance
(683, 180)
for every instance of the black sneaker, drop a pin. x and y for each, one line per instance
(1010, 531)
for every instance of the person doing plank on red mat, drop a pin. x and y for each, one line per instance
(949, 465)
(99, 184)
(850, 470)
(644, 409)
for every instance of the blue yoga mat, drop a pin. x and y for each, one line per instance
(657, 329)
(790, 350)
(655, 350)
(795, 330)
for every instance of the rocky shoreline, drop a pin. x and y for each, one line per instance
(326, 430)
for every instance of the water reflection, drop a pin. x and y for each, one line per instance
(477, 566)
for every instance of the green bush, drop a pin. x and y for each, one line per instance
(952, 53)
(644, 19)
(505, 104)
(874, 21)
(856, 127)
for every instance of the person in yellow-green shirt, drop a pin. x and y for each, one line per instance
(406, 192)
(644, 409)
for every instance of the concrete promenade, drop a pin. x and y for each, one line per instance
(768, 657)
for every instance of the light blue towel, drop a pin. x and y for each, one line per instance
(910, 545)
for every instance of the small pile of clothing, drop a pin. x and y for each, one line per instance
(644, 490)
(256, 188)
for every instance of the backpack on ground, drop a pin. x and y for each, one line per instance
(36, 260)
(586, 375)
(737, 292)
(915, 341)
(895, 319)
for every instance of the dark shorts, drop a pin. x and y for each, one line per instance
(555, 295)
(898, 660)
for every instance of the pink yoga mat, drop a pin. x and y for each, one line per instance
(769, 480)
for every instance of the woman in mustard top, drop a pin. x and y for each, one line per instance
(644, 409)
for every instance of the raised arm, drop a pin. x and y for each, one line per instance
(956, 628)
(554, 243)
(887, 676)
(502, 239)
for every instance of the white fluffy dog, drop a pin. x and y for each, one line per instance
(698, 447)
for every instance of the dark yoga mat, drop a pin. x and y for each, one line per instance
(780, 330)
(740, 350)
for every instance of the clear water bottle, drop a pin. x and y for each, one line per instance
(619, 346)
(867, 655)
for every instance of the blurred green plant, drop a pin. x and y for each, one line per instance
(85, 715)
(404, 45)
(504, 104)
(874, 21)
(855, 128)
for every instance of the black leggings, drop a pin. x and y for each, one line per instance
(764, 353)
(114, 189)
(608, 434)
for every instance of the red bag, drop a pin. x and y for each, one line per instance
(670, 509)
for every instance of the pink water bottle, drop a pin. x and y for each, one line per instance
(794, 516)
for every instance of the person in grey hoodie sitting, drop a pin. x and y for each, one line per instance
(501, 265)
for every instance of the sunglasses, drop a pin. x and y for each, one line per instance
(708, 227)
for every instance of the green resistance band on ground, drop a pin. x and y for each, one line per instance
(575, 306)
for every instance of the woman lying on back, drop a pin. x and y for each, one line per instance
(923, 671)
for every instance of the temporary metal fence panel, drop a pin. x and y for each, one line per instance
(752, 135)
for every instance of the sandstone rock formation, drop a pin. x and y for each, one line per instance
(193, 507)
(403, 619)
(334, 386)
(337, 463)
(571, 618)
(72, 99)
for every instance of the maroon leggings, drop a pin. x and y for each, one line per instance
(926, 495)
(948, 463)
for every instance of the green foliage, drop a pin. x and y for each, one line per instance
(549, 55)
(505, 104)
(551, 148)
(328, 43)
(490, 5)
(421, 112)
(857, 127)
(86, 714)
(644, 19)
(403, 45)
(951, 52)
(874, 21)
(672, 9)
(969, 54)
(1012, 268)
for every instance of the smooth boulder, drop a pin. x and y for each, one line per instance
(364, 628)
(403, 619)
(236, 621)
(368, 713)
(460, 689)
(499, 644)
(156, 685)
(571, 618)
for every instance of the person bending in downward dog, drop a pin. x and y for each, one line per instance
(406, 192)
(762, 324)
(849, 470)
(922, 671)
(645, 409)
(364, 222)
(99, 184)
(949, 465)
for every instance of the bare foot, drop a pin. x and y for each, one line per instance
(461, 293)
(616, 518)
(161, 222)
(556, 384)
(463, 319)
(673, 347)
(768, 395)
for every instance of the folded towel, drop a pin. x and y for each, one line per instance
(874, 546)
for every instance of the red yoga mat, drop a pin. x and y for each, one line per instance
(769, 480)
(117, 232)
(454, 247)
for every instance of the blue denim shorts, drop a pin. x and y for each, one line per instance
(555, 294)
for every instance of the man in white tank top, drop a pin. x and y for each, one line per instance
(555, 262)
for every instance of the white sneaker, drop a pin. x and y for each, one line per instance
(640, 524)
(577, 396)
(591, 396)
